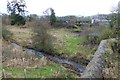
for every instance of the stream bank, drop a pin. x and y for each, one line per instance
(77, 68)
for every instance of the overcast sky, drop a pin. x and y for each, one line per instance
(67, 7)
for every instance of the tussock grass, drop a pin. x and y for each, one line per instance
(112, 58)
(16, 60)
(65, 42)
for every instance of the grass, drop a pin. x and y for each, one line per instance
(73, 40)
(49, 71)
(18, 73)
(72, 45)
(111, 69)
(66, 42)
(20, 35)
(44, 69)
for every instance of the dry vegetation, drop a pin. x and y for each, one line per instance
(55, 41)
(15, 60)
(16, 57)
(43, 37)
(112, 58)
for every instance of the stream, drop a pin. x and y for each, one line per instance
(75, 66)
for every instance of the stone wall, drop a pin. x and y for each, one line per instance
(96, 65)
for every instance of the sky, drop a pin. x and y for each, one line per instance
(67, 7)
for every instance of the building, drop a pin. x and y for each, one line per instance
(100, 19)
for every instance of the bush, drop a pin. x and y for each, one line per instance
(17, 19)
(6, 34)
(42, 40)
(116, 46)
(111, 60)
(107, 33)
(118, 33)
(89, 39)
(58, 23)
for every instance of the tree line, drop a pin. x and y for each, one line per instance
(17, 13)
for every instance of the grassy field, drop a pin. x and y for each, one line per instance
(66, 42)
(48, 71)
(36, 67)
(21, 36)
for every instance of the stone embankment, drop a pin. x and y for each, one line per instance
(95, 67)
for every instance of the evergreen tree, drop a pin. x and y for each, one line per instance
(16, 11)
(52, 17)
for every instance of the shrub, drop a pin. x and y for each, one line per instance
(17, 19)
(115, 46)
(6, 34)
(89, 39)
(111, 60)
(107, 33)
(42, 40)
(118, 33)
(58, 24)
